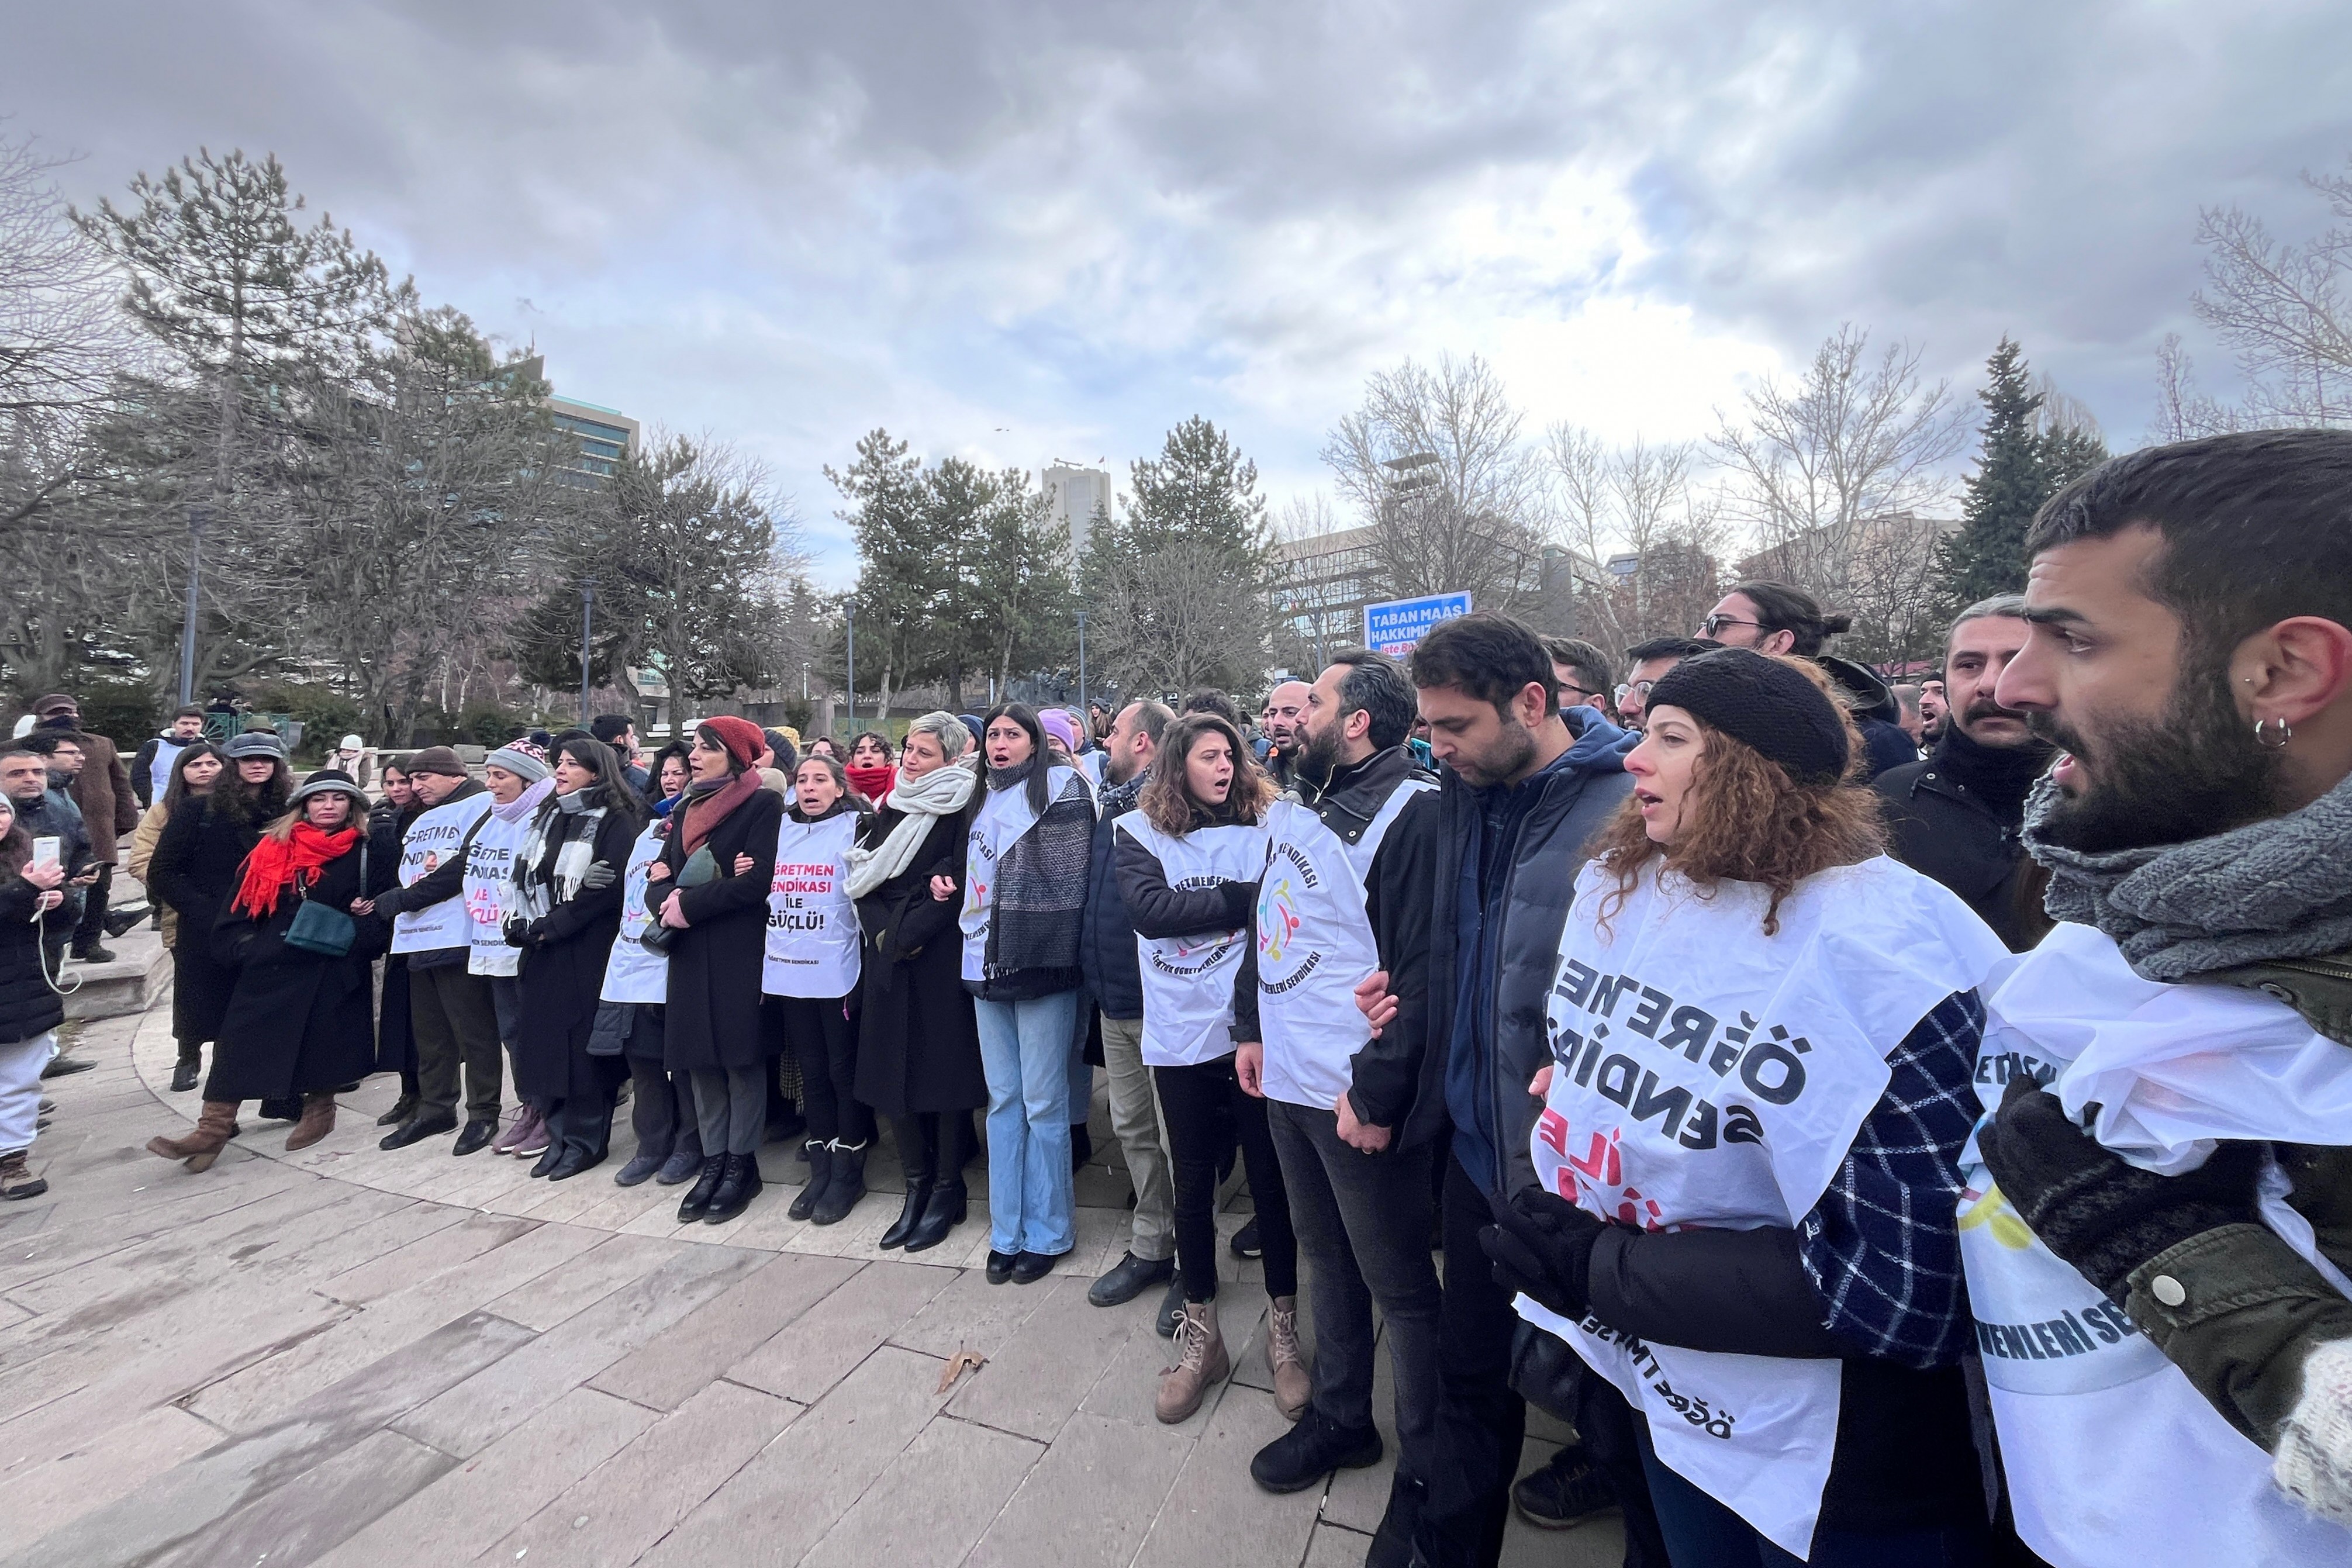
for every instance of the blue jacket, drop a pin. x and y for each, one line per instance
(1495, 941)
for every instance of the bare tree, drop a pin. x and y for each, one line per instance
(1433, 461)
(1833, 473)
(62, 338)
(2282, 310)
(1632, 512)
(1169, 619)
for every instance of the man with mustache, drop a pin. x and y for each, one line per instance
(1954, 815)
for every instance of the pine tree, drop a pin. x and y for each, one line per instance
(899, 576)
(1987, 556)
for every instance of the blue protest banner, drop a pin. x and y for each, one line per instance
(1393, 627)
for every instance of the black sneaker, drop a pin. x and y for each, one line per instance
(1245, 1243)
(1567, 1491)
(1312, 1451)
(999, 1266)
(93, 953)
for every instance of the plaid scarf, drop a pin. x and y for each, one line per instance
(573, 835)
(1040, 900)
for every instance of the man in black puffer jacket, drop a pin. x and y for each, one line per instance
(1107, 957)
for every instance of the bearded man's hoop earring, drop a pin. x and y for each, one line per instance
(2263, 736)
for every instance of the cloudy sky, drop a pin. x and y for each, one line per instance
(1031, 231)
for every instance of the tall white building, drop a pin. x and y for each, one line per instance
(1075, 495)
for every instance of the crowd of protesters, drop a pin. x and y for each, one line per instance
(1890, 1123)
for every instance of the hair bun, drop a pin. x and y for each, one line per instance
(1833, 624)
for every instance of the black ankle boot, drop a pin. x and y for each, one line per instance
(918, 1194)
(848, 1185)
(696, 1202)
(185, 1071)
(736, 1189)
(820, 1170)
(941, 1214)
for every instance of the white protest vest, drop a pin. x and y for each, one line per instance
(489, 896)
(813, 941)
(159, 768)
(1314, 943)
(1003, 816)
(1188, 981)
(2112, 1456)
(633, 974)
(1707, 1075)
(432, 838)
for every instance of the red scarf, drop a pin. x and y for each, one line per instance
(706, 812)
(276, 862)
(873, 782)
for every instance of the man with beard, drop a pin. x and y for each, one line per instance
(1107, 957)
(1932, 707)
(1285, 705)
(1354, 1121)
(1955, 816)
(2190, 653)
(1526, 782)
(1650, 659)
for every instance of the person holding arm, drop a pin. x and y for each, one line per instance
(301, 1017)
(1747, 1166)
(812, 969)
(717, 867)
(566, 913)
(918, 1045)
(396, 1040)
(1189, 859)
(1025, 897)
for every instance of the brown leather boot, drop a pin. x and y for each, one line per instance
(318, 1120)
(202, 1146)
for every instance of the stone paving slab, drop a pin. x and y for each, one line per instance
(352, 1356)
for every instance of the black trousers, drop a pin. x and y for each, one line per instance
(1204, 1107)
(821, 1040)
(1480, 1421)
(91, 931)
(584, 1118)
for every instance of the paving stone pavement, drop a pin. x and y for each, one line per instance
(352, 1357)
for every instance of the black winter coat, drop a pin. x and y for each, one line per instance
(713, 1019)
(296, 1021)
(1106, 953)
(396, 1040)
(28, 1007)
(1537, 887)
(1939, 827)
(917, 1039)
(196, 870)
(563, 970)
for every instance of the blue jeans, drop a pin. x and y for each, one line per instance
(1703, 1533)
(1024, 1049)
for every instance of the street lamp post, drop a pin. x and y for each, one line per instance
(1082, 669)
(849, 613)
(587, 622)
(198, 517)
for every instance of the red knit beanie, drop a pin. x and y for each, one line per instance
(742, 739)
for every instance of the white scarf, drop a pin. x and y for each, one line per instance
(921, 799)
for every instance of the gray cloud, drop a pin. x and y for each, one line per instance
(790, 224)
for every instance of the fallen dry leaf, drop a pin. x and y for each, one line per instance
(957, 1364)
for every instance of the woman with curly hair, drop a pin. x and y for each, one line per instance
(1764, 1031)
(1188, 858)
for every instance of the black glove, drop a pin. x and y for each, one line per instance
(2104, 1216)
(598, 874)
(1543, 1248)
(517, 932)
(388, 902)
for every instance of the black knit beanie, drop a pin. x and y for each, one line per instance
(1765, 702)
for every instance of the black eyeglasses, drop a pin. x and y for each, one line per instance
(1714, 624)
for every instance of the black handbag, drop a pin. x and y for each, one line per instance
(700, 868)
(322, 930)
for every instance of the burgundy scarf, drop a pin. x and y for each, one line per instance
(704, 814)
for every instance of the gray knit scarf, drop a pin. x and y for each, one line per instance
(2281, 887)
